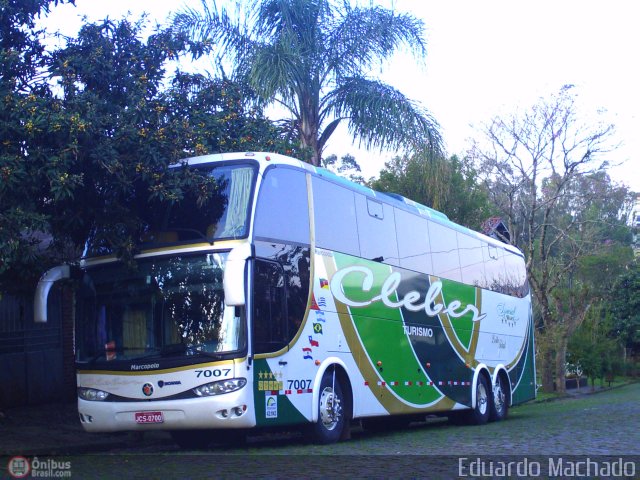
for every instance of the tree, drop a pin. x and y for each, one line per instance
(625, 304)
(98, 152)
(217, 115)
(25, 97)
(449, 185)
(592, 350)
(347, 166)
(544, 170)
(311, 57)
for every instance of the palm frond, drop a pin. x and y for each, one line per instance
(380, 116)
(293, 51)
(225, 33)
(364, 36)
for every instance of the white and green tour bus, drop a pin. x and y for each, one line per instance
(295, 297)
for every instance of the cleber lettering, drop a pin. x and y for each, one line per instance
(410, 300)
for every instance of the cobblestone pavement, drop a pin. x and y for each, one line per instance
(606, 423)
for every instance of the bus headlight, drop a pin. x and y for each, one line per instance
(92, 394)
(220, 387)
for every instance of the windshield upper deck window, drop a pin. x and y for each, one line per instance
(216, 207)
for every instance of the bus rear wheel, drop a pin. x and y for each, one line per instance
(331, 419)
(479, 415)
(500, 404)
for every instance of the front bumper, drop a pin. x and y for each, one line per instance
(216, 412)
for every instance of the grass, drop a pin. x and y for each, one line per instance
(600, 385)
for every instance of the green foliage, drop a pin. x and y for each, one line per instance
(592, 351)
(347, 166)
(448, 185)
(212, 115)
(24, 135)
(312, 57)
(601, 269)
(88, 159)
(625, 305)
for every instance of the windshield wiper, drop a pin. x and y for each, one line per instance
(115, 352)
(179, 349)
(205, 353)
(171, 350)
(166, 351)
(94, 359)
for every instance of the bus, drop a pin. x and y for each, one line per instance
(295, 297)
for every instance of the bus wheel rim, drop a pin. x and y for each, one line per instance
(330, 409)
(482, 398)
(499, 397)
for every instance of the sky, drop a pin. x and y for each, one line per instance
(486, 58)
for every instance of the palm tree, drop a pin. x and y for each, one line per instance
(312, 58)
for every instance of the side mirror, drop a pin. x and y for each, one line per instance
(42, 290)
(233, 280)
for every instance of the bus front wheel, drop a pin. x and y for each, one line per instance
(331, 419)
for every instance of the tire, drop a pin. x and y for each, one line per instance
(331, 419)
(500, 404)
(193, 439)
(484, 401)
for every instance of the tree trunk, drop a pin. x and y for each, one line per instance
(545, 361)
(545, 342)
(561, 362)
(546, 371)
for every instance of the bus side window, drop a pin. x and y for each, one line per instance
(376, 230)
(516, 279)
(270, 324)
(471, 260)
(494, 267)
(335, 217)
(414, 245)
(444, 245)
(283, 209)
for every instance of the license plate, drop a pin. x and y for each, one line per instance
(149, 417)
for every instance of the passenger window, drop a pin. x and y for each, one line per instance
(414, 246)
(375, 209)
(444, 246)
(283, 207)
(516, 281)
(471, 260)
(335, 217)
(376, 233)
(494, 267)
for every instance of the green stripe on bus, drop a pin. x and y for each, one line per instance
(381, 332)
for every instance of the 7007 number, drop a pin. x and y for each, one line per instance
(215, 373)
(299, 384)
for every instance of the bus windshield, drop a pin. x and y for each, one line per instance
(222, 213)
(163, 307)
